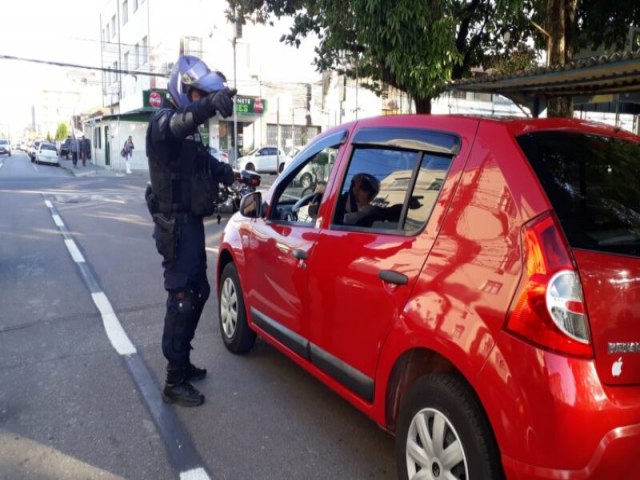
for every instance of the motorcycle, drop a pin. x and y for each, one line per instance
(228, 200)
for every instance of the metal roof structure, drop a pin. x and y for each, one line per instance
(606, 79)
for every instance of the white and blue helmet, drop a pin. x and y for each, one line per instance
(190, 72)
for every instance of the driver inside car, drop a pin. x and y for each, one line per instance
(358, 209)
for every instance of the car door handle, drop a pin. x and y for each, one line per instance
(393, 277)
(299, 253)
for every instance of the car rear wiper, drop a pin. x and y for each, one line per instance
(628, 239)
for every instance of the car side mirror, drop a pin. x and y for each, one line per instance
(251, 205)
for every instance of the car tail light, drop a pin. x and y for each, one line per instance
(549, 309)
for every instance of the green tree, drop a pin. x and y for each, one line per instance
(416, 46)
(571, 25)
(62, 131)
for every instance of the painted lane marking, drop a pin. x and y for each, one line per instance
(57, 220)
(195, 474)
(117, 336)
(73, 250)
(182, 453)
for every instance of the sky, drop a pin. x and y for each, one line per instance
(68, 31)
(63, 30)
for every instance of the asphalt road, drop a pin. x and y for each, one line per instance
(72, 407)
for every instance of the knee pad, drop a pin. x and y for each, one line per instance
(178, 325)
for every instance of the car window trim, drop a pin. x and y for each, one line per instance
(416, 139)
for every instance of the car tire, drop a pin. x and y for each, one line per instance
(235, 331)
(281, 168)
(444, 406)
(306, 181)
(250, 166)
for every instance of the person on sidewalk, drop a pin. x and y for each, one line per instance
(184, 178)
(74, 150)
(84, 150)
(127, 152)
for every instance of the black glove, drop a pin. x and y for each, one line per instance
(221, 102)
(225, 173)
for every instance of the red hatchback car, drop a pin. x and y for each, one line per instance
(471, 284)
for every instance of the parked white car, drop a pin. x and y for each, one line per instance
(47, 153)
(262, 160)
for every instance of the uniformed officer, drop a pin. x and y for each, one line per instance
(183, 188)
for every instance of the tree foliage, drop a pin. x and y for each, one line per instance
(62, 131)
(416, 46)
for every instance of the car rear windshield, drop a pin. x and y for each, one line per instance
(48, 147)
(592, 183)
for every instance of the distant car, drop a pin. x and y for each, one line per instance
(65, 148)
(262, 160)
(289, 157)
(33, 148)
(5, 148)
(47, 153)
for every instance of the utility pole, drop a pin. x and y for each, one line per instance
(237, 33)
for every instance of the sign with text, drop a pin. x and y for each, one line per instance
(250, 105)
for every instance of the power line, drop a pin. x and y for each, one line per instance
(84, 67)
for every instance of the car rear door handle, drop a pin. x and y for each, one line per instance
(393, 277)
(299, 253)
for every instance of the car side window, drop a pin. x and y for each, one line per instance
(390, 189)
(301, 195)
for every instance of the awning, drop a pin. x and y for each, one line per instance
(614, 75)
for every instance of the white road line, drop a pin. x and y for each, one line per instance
(213, 249)
(73, 250)
(112, 326)
(57, 220)
(195, 474)
(48, 204)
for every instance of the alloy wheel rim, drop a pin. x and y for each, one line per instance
(434, 450)
(229, 308)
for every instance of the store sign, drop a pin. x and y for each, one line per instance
(250, 105)
(153, 98)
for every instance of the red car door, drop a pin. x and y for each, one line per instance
(360, 276)
(277, 250)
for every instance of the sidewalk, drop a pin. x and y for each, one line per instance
(91, 170)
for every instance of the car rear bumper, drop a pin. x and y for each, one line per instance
(555, 419)
(616, 456)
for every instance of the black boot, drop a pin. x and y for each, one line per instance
(178, 390)
(194, 373)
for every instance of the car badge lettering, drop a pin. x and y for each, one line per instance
(623, 347)
(616, 368)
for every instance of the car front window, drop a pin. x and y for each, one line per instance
(309, 179)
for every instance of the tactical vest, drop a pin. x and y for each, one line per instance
(186, 183)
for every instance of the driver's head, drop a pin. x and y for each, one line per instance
(364, 187)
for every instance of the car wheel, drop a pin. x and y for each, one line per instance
(306, 181)
(281, 168)
(443, 430)
(236, 334)
(250, 166)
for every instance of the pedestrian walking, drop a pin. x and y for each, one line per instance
(127, 153)
(184, 177)
(74, 151)
(84, 150)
